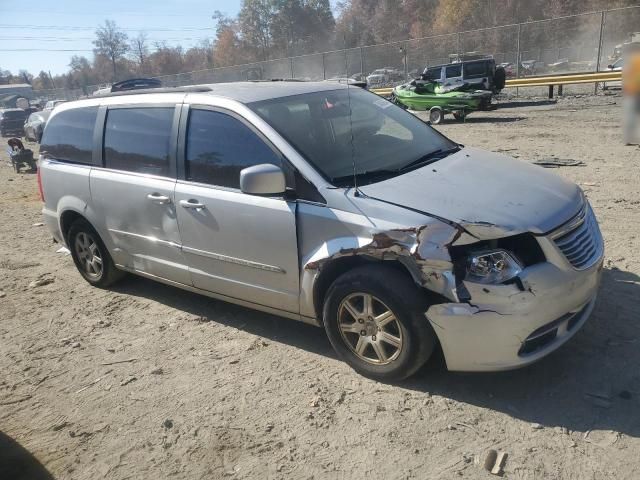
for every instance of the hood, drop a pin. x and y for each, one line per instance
(488, 194)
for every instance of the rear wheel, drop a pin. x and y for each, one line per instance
(436, 115)
(374, 318)
(90, 255)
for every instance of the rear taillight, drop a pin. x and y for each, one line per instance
(40, 185)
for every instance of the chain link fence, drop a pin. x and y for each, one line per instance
(578, 43)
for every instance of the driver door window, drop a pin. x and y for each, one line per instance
(219, 146)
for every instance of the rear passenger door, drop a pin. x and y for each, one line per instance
(453, 73)
(134, 190)
(237, 245)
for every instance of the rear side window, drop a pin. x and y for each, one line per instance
(434, 73)
(476, 69)
(219, 146)
(69, 135)
(138, 139)
(453, 71)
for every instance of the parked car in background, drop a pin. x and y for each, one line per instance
(384, 76)
(129, 84)
(329, 205)
(34, 126)
(481, 74)
(350, 81)
(12, 122)
(51, 104)
(136, 84)
(509, 69)
(531, 68)
(614, 67)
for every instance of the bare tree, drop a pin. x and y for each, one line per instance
(140, 50)
(111, 42)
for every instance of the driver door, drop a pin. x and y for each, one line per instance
(237, 245)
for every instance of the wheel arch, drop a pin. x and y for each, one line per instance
(334, 268)
(67, 218)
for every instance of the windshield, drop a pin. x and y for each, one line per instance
(386, 139)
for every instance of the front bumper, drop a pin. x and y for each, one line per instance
(504, 327)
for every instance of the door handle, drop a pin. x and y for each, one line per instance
(159, 199)
(191, 204)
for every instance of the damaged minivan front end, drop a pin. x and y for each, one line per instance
(505, 295)
(521, 297)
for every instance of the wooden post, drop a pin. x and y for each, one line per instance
(550, 91)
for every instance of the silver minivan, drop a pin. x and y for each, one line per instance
(327, 204)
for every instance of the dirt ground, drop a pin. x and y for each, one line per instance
(147, 381)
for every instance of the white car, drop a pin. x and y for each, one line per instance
(51, 104)
(614, 67)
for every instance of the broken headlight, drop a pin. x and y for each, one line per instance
(495, 266)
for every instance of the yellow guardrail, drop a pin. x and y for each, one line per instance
(382, 91)
(564, 79)
(545, 80)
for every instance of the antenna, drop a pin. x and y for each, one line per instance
(353, 152)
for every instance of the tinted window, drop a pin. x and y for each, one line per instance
(453, 71)
(477, 69)
(69, 135)
(138, 139)
(433, 73)
(219, 146)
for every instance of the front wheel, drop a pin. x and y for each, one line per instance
(374, 318)
(90, 255)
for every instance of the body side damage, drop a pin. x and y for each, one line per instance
(423, 250)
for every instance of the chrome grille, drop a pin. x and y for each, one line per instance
(580, 240)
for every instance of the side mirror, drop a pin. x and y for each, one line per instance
(263, 179)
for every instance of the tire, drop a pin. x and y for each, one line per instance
(499, 79)
(85, 245)
(436, 115)
(387, 352)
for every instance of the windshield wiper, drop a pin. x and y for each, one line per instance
(383, 174)
(428, 158)
(364, 177)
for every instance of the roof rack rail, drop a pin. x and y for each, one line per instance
(187, 89)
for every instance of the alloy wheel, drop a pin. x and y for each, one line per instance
(89, 255)
(369, 328)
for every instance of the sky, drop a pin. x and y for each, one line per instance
(30, 38)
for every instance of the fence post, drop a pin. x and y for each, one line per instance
(291, 66)
(361, 62)
(458, 45)
(518, 54)
(603, 17)
(406, 65)
(324, 69)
